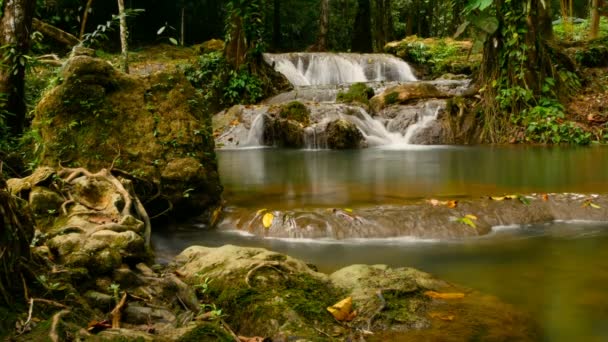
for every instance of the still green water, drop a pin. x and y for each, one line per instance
(296, 179)
(557, 272)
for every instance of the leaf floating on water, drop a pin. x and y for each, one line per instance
(469, 220)
(267, 220)
(442, 316)
(523, 199)
(545, 197)
(497, 198)
(348, 210)
(588, 203)
(449, 204)
(216, 215)
(342, 310)
(444, 295)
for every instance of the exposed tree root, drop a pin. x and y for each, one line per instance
(275, 265)
(378, 311)
(53, 335)
(132, 203)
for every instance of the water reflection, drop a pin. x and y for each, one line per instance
(287, 178)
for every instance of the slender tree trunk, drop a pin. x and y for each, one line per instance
(390, 28)
(323, 26)
(595, 19)
(362, 37)
(85, 17)
(379, 25)
(276, 24)
(124, 43)
(545, 24)
(183, 28)
(15, 28)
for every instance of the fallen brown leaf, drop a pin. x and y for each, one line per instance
(444, 295)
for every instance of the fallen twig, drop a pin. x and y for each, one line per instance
(227, 328)
(116, 312)
(270, 264)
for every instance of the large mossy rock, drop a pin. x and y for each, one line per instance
(150, 126)
(265, 293)
(342, 134)
(433, 57)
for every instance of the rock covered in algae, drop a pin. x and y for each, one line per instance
(271, 294)
(342, 134)
(150, 126)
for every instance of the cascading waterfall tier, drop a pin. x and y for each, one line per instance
(305, 69)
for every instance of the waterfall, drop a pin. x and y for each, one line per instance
(303, 69)
(255, 138)
(428, 115)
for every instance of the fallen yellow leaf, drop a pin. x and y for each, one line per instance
(342, 310)
(267, 220)
(348, 210)
(444, 295)
(452, 204)
(471, 216)
(442, 316)
(545, 197)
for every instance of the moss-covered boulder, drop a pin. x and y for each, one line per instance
(212, 45)
(283, 133)
(433, 57)
(296, 111)
(149, 126)
(406, 93)
(264, 293)
(342, 134)
(357, 93)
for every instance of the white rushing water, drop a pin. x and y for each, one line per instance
(303, 69)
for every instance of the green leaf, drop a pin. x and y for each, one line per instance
(485, 22)
(173, 41)
(161, 30)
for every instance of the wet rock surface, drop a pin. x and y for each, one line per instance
(428, 219)
(283, 298)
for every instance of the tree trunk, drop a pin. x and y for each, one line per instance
(545, 23)
(124, 43)
(85, 17)
(276, 25)
(236, 48)
(362, 35)
(525, 65)
(16, 233)
(595, 19)
(183, 28)
(15, 28)
(323, 26)
(379, 25)
(390, 27)
(55, 33)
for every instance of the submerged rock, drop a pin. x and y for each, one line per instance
(149, 126)
(271, 294)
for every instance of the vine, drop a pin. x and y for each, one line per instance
(525, 80)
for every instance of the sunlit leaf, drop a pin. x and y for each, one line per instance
(161, 30)
(342, 310)
(267, 220)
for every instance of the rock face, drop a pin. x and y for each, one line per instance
(269, 294)
(149, 126)
(405, 93)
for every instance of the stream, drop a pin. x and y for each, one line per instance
(556, 271)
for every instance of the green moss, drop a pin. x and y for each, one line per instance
(207, 332)
(358, 92)
(391, 98)
(435, 57)
(273, 295)
(296, 111)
